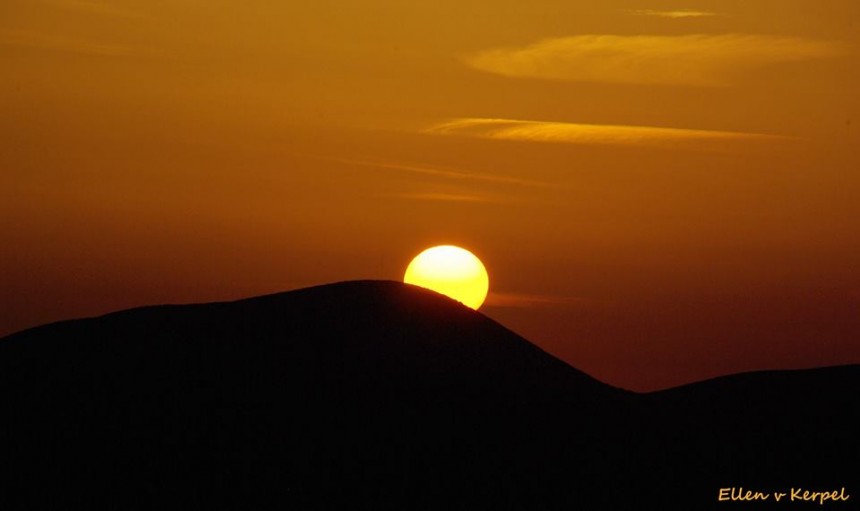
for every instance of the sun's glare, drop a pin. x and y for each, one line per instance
(451, 271)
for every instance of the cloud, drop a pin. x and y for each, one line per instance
(523, 300)
(446, 173)
(101, 9)
(676, 14)
(702, 60)
(571, 133)
(37, 40)
(445, 197)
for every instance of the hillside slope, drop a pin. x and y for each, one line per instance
(380, 395)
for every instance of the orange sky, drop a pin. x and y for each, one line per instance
(662, 192)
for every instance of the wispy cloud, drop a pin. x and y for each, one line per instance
(42, 41)
(98, 8)
(702, 60)
(571, 133)
(447, 173)
(446, 197)
(524, 300)
(676, 14)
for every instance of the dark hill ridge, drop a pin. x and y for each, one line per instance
(381, 395)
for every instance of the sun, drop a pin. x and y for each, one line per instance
(452, 271)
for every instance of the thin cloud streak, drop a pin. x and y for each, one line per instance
(571, 133)
(98, 8)
(446, 173)
(523, 300)
(676, 14)
(26, 39)
(445, 197)
(698, 60)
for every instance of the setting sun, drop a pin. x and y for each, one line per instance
(451, 271)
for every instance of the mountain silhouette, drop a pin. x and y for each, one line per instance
(379, 395)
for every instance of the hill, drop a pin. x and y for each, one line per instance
(378, 395)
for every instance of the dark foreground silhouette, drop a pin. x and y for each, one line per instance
(377, 395)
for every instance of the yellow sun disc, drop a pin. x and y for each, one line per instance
(452, 271)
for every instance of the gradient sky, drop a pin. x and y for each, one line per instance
(661, 191)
